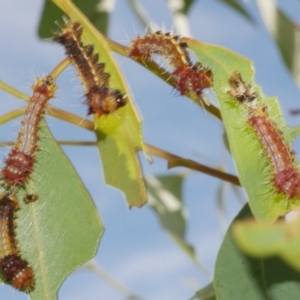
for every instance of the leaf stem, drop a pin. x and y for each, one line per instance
(60, 68)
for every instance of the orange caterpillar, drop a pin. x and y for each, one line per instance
(165, 44)
(286, 174)
(14, 269)
(21, 158)
(100, 98)
(188, 77)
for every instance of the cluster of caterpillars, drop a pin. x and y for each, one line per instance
(101, 100)
(15, 173)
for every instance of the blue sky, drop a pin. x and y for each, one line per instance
(134, 249)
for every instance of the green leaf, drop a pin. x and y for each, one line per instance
(285, 33)
(95, 10)
(165, 198)
(236, 5)
(253, 166)
(263, 240)
(62, 229)
(119, 135)
(238, 276)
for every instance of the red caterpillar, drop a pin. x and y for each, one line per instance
(100, 98)
(14, 269)
(21, 158)
(194, 78)
(286, 174)
(188, 77)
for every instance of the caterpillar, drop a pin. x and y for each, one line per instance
(15, 270)
(100, 98)
(164, 44)
(188, 77)
(286, 174)
(104, 100)
(83, 57)
(193, 78)
(19, 163)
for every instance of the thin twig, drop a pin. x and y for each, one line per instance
(176, 161)
(11, 90)
(11, 115)
(92, 265)
(173, 160)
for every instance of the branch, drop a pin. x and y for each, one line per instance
(177, 161)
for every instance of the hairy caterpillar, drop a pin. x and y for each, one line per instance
(21, 158)
(100, 98)
(164, 44)
(188, 77)
(14, 269)
(286, 174)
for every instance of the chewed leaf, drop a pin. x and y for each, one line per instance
(253, 165)
(257, 278)
(61, 230)
(119, 134)
(264, 240)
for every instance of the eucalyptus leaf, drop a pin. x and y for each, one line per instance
(119, 134)
(251, 160)
(264, 240)
(62, 229)
(239, 276)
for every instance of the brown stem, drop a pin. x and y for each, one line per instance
(177, 161)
